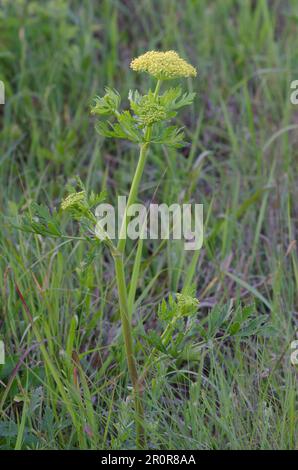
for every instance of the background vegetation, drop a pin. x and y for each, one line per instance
(226, 380)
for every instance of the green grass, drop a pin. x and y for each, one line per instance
(61, 325)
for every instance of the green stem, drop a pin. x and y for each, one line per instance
(123, 300)
(133, 191)
(127, 333)
(118, 255)
(157, 88)
(137, 178)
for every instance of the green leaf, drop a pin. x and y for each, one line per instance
(154, 340)
(107, 129)
(164, 313)
(129, 126)
(90, 258)
(125, 128)
(135, 99)
(171, 136)
(255, 326)
(172, 99)
(108, 104)
(94, 199)
(40, 221)
(234, 328)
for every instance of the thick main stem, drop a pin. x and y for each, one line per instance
(123, 301)
(122, 289)
(127, 333)
(133, 193)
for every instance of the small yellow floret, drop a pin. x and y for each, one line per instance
(186, 303)
(72, 200)
(163, 65)
(151, 113)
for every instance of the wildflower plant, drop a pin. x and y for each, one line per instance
(148, 121)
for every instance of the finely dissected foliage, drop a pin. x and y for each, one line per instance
(145, 111)
(219, 377)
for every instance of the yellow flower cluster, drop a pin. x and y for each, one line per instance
(186, 303)
(151, 113)
(163, 65)
(72, 200)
